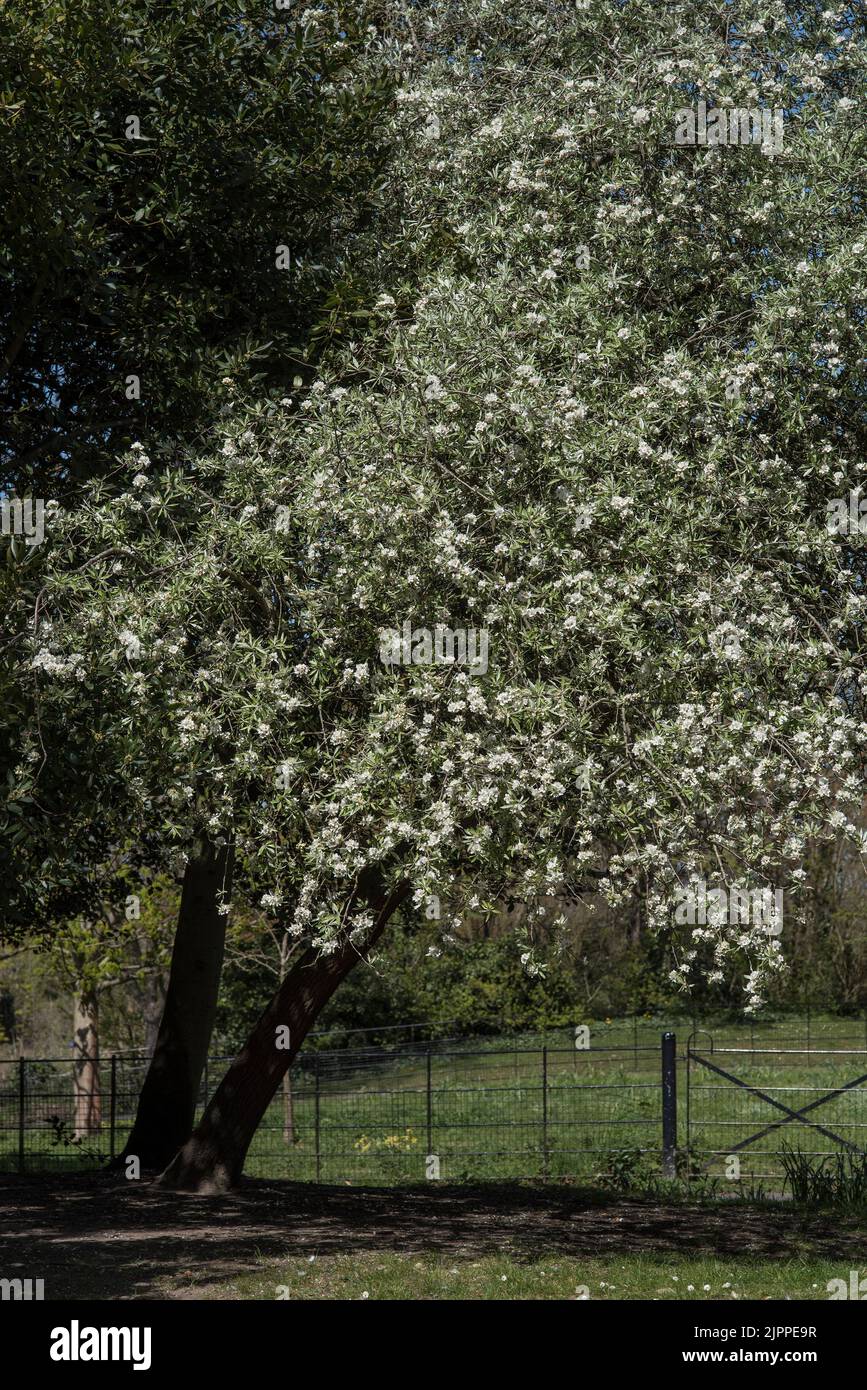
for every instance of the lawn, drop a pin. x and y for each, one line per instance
(501, 1277)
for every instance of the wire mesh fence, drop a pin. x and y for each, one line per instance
(369, 1116)
(407, 1110)
(455, 1114)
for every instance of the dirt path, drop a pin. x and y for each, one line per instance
(94, 1237)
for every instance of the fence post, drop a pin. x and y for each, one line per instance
(112, 1108)
(669, 1105)
(545, 1111)
(316, 1112)
(21, 1095)
(429, 1107)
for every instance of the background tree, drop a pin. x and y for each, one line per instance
(93, 957)
(181, 186)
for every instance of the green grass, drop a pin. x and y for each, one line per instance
(501, 1277)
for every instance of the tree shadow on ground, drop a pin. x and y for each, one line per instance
(99, 1237)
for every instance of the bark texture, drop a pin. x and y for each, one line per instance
(85, 1066)
(167, 1104)
(212, 1159)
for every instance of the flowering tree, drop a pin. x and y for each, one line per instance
(534, 591)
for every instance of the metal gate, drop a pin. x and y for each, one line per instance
(744, 1104)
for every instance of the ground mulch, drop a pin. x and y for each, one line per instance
(100, 1237)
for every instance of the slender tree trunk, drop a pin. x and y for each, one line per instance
(85, 1067)
(167, 1104)
(212, 1160)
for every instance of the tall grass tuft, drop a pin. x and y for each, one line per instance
(836, 1180)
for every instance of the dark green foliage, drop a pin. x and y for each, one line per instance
(155, 257)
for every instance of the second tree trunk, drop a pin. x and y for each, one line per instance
(212, 1160)
(167, 1104)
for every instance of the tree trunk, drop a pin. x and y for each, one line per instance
(85, 1067)
(212, 1160)
(167, 1104)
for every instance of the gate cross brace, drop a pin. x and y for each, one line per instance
(787, 1111)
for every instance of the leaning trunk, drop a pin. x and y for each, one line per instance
(212, 1160)
(85, 1066)
(167, 1104)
